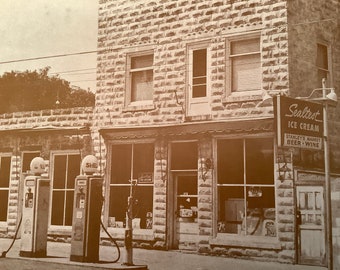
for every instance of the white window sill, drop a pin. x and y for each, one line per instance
(144, 105)
(243, 96)
(234, 240)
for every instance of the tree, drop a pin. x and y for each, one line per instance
(35, 90)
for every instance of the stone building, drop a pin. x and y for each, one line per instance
(184, 105)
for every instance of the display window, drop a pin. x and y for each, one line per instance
(245, 187)
(132, 167)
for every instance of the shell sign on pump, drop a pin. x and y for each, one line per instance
(299, 123)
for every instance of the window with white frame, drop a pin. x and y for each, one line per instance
(322, 63)
(5, 170)
(132, 162)
(140, 78)
(198, 79)
(245, 185)
(244, 64)
(66, 167)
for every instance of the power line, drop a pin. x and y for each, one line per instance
(46, 57)
(71, 71)
(83, 81)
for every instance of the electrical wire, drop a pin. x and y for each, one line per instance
(46, 57)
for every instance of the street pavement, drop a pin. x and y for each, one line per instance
(58, 259)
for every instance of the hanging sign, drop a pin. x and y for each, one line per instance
(299, 123)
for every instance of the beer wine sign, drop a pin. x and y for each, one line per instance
(299, 123)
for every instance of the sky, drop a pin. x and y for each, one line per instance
(41, 28)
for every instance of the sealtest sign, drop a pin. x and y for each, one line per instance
(299, 123)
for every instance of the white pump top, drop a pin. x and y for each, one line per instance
(89, 164)
(37, 165)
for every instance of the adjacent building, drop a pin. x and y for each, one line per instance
(184, 105)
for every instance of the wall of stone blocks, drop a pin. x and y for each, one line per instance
(309, 23)
(23, 131)
(167, 27)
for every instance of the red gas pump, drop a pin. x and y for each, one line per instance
(35, 212)
(87, 208)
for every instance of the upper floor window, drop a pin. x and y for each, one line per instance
(140, 82)
(322, 63)
(199, 73)
(198, 79)
(244, 67)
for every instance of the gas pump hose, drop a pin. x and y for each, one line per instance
(112, 240)
(3, 255)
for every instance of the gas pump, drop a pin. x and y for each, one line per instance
(35, 212)
(87, 208)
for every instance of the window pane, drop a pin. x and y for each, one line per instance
(59, 174)
(199, 91)
(187, 185)
(199, 63)
(121, 164)
(246, 73)
(231, 209)
(5, 169)
(69, 208)
(184, 156)
(142, 85)
(142, 207)
(322, 57)
(118, 204)
(260, 219)
(230, 161)
(199, 76)
(73, 169)
(143, 159)
(260, 161)
(142, 61)
(3, 205)
(57, 215)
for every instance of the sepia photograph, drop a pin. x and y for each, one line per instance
(170, 134)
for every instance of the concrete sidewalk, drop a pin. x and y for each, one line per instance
(58, 255)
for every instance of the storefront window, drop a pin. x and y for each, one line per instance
(66, 167)
(246, 192)
(132, 161)
(5, 170)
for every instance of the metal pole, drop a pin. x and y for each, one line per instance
(129, 213)
(327, 180)
(128, 232)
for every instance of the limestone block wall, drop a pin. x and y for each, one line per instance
(73, 117)
(42, 131)
(310, 23)
(167, 27)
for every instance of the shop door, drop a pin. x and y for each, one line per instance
(311, 225)
(185, 205)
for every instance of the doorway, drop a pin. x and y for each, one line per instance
(185, 225)
(311, 225)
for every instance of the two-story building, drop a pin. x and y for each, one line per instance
(184, 104)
